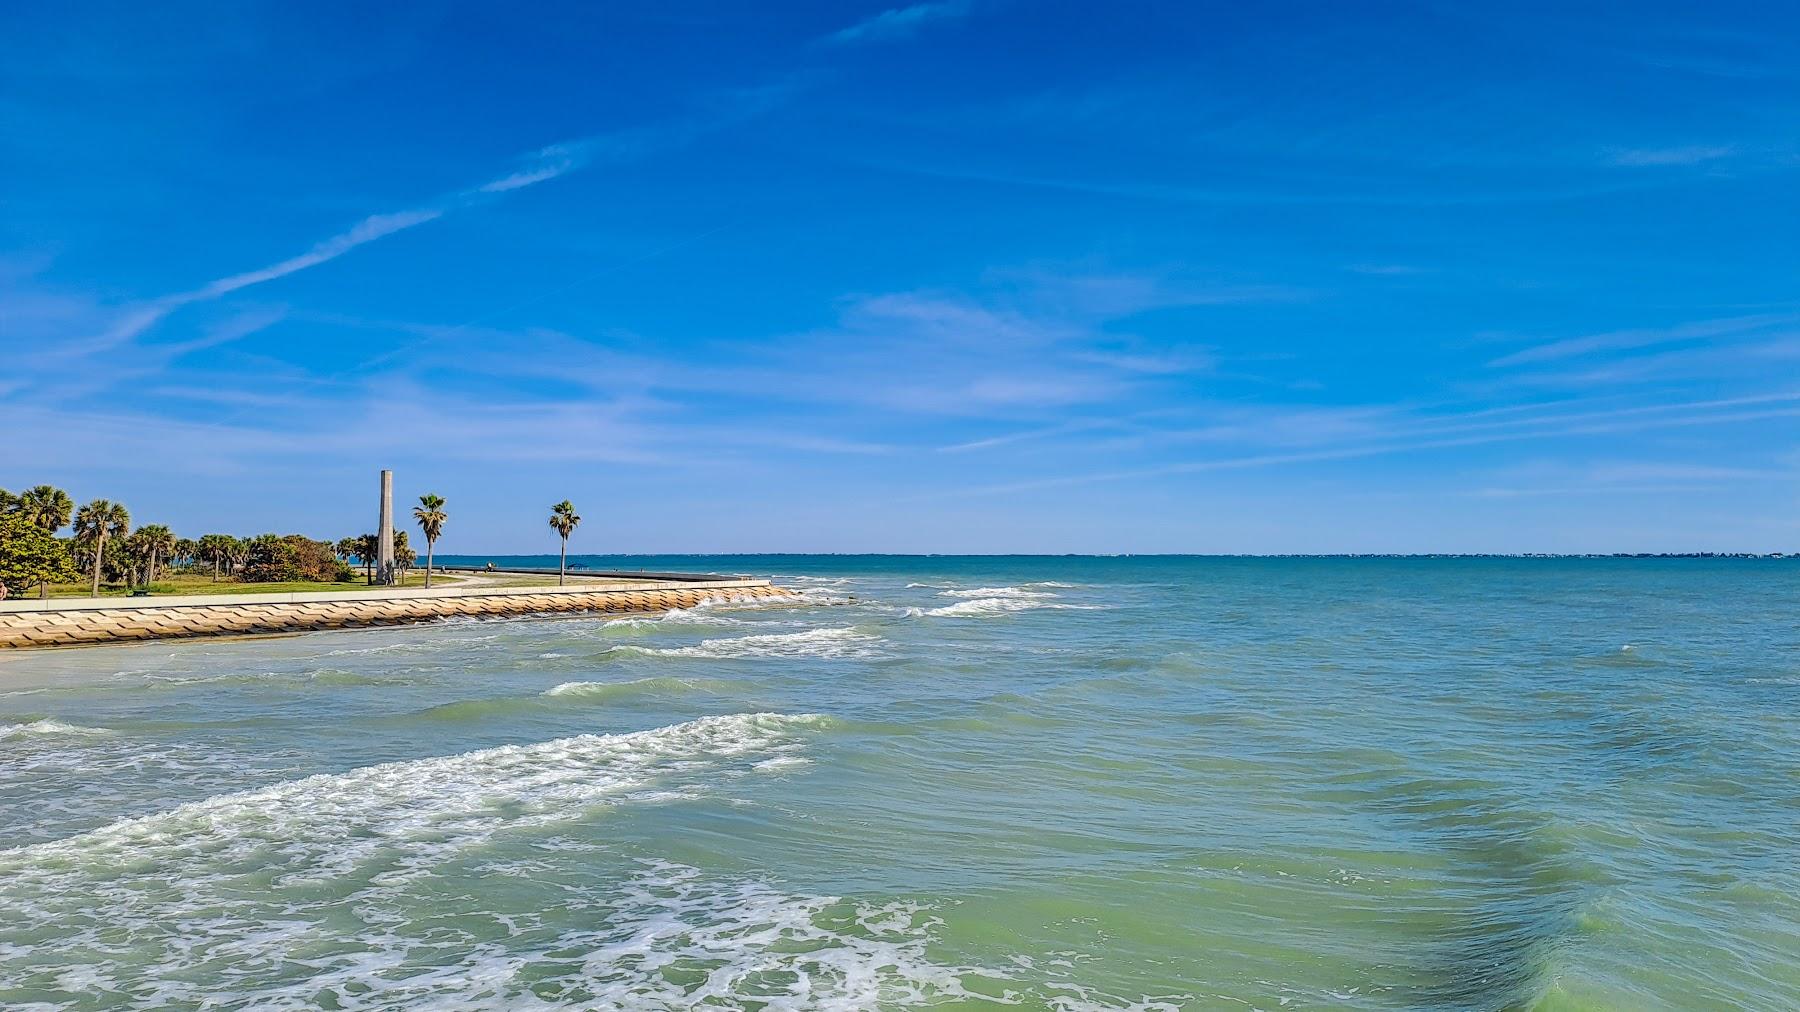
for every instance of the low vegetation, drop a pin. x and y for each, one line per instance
(104, 554)
(109, 556)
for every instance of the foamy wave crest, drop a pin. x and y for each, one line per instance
(1012, 592)
(703, 613)
(319, 821)
(249, 881)
(671, 937)
(600, 692)
(49, 727)
(812, 643)
(59, 779)
(435, 643)
(988, 606)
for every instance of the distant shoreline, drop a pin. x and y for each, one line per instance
(464, 560)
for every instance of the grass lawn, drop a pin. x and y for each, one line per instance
(202, 583)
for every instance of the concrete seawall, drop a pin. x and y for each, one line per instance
(66, 622)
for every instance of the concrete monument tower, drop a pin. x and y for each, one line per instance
(384, 561)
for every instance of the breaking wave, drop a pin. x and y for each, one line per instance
(248, 880)
(49, 727)
(830, 644)
(989, 601)
(986, 606)
(601, 692)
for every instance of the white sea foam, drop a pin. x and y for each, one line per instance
(57, 779)
(752, 943)
(704, 613)
(436, 643)
(246, 880)
(356, 891)
(832, 644)
(602, 691)
(980, 607)
(1015, 592)
(782, 762)
(48, 726)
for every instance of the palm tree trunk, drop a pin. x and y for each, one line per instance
(99, 553)
(430, 545)
(215, 569)
(562, 572)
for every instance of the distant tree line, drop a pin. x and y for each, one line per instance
(103, 548)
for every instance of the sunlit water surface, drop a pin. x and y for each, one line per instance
(1027, 783)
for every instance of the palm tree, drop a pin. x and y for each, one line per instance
(237, 554)
(157, 543)
(134, 552)
(216, 549)
(564, 521)
(96, 522)
(46, 506)
(8, 502)
(367, 547)
(402, 552)
(430, 515)
(346, 548)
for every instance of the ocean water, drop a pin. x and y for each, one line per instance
(1048, 783)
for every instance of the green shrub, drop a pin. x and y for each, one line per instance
(275, 558)
(30, 556)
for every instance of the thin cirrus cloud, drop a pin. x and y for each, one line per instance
(1625, 340)
(897, 23)
(545, 164)
(1689, 155)
(1425, 434)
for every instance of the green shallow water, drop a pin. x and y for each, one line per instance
(960, 783)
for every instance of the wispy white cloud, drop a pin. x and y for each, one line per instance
(1689, 155)
(1550, 478)
(375, 226)
(1404, 438)
(898, 22)
(1620, 340)
(546, 164)
(139, 319)
(1386, 270)
(542, 165)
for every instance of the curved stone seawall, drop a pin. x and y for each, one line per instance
(54, 623)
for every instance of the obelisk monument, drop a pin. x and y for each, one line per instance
(384, 561)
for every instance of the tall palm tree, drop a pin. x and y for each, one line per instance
(367, 547)
(158, 543)
(564, 521)
(430, 515)
(216, 549)
(46, 506)
(237, 555)
(94, 524)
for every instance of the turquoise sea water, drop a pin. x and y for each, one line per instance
(1055, 783)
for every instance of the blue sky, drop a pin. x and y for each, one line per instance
(955, 276)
